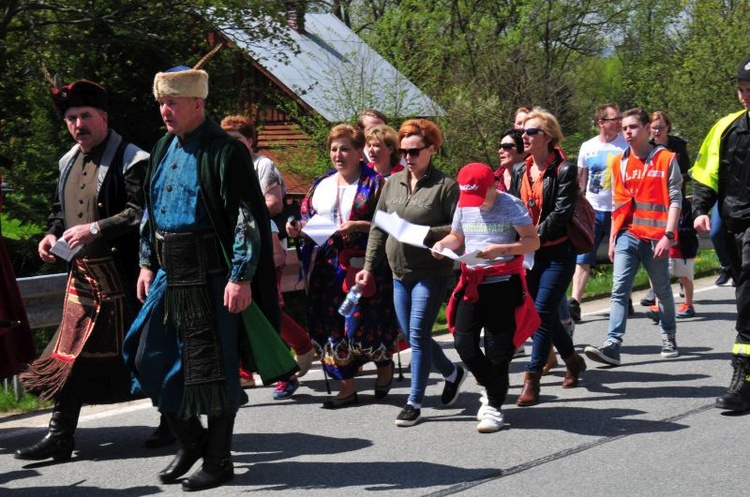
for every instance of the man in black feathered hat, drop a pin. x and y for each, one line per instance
(95, 214)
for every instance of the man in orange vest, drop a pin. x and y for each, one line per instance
(647, 197)
(720, 173)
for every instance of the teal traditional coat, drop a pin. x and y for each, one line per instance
(227, 180)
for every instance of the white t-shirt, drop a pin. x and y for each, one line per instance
(268, 174)
(333, 201)
(596, 156)
(496, 225)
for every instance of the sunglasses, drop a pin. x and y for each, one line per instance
(611, 119)
(411, 152)
(533, 131)
(507, 146)
(658, 128)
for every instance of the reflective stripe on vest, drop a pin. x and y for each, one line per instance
(741, 349)
(648, 209)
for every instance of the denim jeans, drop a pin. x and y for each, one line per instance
(548, 281)
(630, 252)
(417, 304)
(718, 238)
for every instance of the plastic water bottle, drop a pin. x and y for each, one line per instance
(351, 300)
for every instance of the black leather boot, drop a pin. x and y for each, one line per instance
(737, 398)
(191, 438)
(162, 435)
(217, 463)
(59, 442)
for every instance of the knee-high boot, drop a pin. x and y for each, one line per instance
(191, 438)
(217, 462)
(737, 397)
(59, 442)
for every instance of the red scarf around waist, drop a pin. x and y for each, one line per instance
(527, 319)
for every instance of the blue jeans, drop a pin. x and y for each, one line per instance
(548, 281)
(717, 237)
(630, 252)
(417, 304)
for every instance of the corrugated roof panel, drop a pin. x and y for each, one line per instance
(337, 74)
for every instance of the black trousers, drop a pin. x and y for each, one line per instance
(738, 253)
(495, 312)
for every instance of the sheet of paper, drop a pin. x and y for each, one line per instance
(471, 258)
(403, 231)
(62, 250)
(319, 229)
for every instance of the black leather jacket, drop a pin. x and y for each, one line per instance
(560, 189)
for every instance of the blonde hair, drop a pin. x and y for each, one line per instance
(386, 135)
(550, 126)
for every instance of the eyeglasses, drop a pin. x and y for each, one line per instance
(618, 118)
(658, 128)
(533, 131)
(411, 152)
(507, 146)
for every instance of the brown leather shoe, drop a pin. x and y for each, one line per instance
(530, 392)
(575, 365)
(551, 362)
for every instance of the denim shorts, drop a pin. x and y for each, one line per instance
(602, 227)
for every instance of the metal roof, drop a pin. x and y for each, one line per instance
(336, 73)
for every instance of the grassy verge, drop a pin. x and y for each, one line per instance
(9, 404)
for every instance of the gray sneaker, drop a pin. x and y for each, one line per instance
(668, 346)
(609, 353)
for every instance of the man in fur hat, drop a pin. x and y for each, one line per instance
(96, 211)
(207, 276)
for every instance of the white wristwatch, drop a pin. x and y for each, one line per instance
(94, 229)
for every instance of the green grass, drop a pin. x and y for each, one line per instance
(9, 404)
(600, 283)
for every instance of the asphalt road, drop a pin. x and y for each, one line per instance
(645, 428)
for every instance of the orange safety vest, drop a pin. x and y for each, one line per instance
(646, 207)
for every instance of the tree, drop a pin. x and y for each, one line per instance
(120, 44)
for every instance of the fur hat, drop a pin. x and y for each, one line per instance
(181, 81)
(80, 93)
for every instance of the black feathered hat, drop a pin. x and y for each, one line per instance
(81, 93)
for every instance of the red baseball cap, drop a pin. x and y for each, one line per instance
(474, 180)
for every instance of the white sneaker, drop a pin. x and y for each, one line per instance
(484, 403)
(492, 421)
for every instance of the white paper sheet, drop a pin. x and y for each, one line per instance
(62, 250)
(471, 258)
(319, 229)
(403, 231)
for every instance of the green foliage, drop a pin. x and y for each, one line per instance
(119, 44)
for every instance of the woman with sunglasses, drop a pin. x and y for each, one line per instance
(346, 196)
(381, 146)
(548, 185)
(511, 153)
(421, 194)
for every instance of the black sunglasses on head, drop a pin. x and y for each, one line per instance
(411, 152)
(533, 131)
